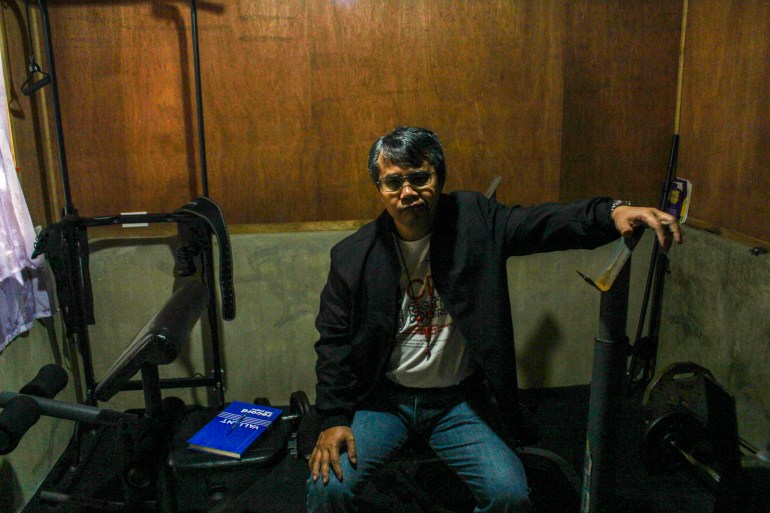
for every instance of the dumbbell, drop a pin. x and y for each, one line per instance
(299, 406)
(677, 439)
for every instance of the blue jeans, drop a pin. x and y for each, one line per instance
(452, 424)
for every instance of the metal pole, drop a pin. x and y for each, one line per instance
(209, 254)
(199, 98)
(68, 206)
(70, 411)
(610, 353)
(153, 402)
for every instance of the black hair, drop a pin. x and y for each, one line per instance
(408, 147)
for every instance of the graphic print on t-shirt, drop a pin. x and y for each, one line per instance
(429, 351)
(423, 312)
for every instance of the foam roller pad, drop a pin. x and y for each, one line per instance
(50, 380)
(17, 417)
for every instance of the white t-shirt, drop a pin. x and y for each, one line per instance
(429, 350)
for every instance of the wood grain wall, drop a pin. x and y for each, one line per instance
(563, 99)
(294, 94)
(725, 127)
(620, 96)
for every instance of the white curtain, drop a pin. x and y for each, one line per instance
(24, 282)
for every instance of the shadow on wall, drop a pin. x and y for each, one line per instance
(533, 362)
(10, 491)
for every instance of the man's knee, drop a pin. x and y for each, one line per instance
(505, 496)
(334, 496)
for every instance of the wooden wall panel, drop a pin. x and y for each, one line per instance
(725, 124)
(124, 75)
(365, 67)
(294, 94)
(564, 99)
(619, 98)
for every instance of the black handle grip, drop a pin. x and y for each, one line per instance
(29, 89)
(19, 414)
(50, 380)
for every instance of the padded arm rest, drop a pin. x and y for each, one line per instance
(160, 341)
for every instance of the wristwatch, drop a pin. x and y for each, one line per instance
(618, 203)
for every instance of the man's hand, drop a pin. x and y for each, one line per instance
(326, 453)
(666, 226)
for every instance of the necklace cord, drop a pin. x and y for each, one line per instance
(427, 322)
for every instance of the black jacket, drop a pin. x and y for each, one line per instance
(471, 241)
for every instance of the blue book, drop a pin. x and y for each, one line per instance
(235, 428)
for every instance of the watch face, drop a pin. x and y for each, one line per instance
(616, 203)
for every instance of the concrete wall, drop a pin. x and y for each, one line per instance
(715, 313)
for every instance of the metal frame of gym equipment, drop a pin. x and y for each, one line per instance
(72, 237)
(691, 425)
(607, 380)
(155, 470)
(142, 437)
(679, 419)
(145, 436)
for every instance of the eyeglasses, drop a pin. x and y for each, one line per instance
(417, 179)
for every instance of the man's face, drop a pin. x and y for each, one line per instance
(412, 207)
